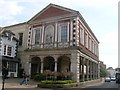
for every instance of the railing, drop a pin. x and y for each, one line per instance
(50, 45)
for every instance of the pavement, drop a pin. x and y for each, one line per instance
(14, 84)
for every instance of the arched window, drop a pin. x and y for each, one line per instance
(49, 34)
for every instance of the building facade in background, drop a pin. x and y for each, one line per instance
(8, 51)
(60, 40)
(111, 71)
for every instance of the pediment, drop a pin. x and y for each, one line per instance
(52, 11)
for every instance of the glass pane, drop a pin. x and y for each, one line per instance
(37, 36)
(64, 34)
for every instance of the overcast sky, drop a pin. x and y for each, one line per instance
(101, 16)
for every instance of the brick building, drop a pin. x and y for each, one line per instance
(60, 40)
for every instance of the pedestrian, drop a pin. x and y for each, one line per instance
(4, 72)
(24, 78)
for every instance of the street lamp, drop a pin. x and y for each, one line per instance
(4, 76)
(3, 82)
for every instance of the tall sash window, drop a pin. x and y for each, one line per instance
(64, 35)
(37, 36)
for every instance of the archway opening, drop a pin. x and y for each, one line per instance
(49, 63)
(35, 66)
(63, 64)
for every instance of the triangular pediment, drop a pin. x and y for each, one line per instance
(52, 10)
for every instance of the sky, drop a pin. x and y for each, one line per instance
(100, 15)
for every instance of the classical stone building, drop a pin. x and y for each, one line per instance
(60, 40)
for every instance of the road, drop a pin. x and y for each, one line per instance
(104, 86)
(13, 84)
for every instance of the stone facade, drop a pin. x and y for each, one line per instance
(58, 39)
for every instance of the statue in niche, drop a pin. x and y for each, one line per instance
(48, 38)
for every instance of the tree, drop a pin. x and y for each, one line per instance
(103, 72)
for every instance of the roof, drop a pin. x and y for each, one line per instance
(61, 8)
(3, 34)
(10, 59)
(15, 25)
(70, 11)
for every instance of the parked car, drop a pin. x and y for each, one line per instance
(113, 78)
(117, 77)
(107, 79)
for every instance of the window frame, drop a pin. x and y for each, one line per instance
(20, 39)
(82, 35)
(60, 32)
(38, 38)
(9, 50)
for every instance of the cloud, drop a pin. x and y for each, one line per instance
(110, 60)
(8, 11)
(109, 42)
(109, 49)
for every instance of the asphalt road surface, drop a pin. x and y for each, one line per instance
(105, 86)
(13, 84)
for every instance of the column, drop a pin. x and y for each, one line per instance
(87, 69)
(56, 34)
(75, 66)
(83, 76)
(98, 69)
(42, 59)
(94, 70)
(55, 64)
(38, 67)
(29, 68)
(80, 67)
(90, 70)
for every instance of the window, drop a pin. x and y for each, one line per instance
(89, 43)
(5, 50)
(64, 31)
(20, 39)
(37, 36)
(9, 37)
(92, 46)
(86, 40)
(95, 48)
(12, 66)
(81, 36)
(9, 50)
(49, 34)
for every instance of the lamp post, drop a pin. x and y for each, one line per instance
(3, 81)
(4, 76)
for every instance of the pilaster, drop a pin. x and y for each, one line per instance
(71, 32)
(42, 36)
(56, 33)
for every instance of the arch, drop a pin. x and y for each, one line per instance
(63, 64)
(49, 34)
(35, 65)
(49, 63)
